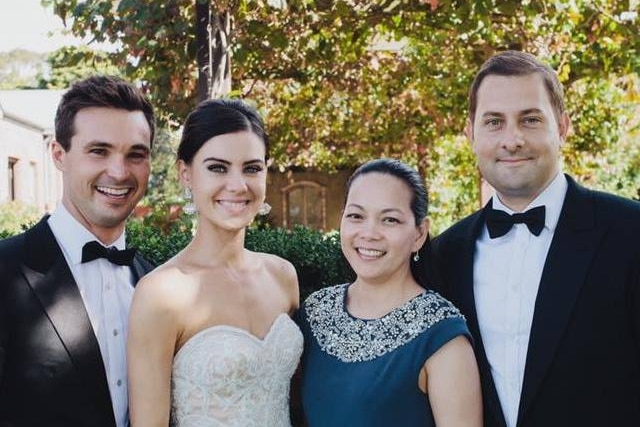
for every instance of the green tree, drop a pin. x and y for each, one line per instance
(165, 190)
(69, 64)
(19, 69)
(347, 80)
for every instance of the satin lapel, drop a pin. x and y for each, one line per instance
(463, 283)
(492, 405)
(52, 282)
(139, 268)
(574, 244)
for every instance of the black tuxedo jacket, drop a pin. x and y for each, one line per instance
(583, 360)
(51, 370)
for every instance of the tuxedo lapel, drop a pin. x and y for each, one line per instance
(462, 273)
(137, 269)
(52, 282)
(465, 296)
(140, 267)
(573, 246)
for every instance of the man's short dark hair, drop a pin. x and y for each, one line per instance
(516, 63)
(99, 91)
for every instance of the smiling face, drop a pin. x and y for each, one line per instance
(516, 137)
(227, 177)
(106, 170)
(378, 232)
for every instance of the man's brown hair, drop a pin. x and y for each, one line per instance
(99, 91)
(516, 63)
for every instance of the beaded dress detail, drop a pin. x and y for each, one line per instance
(356, 340)
(225, 376)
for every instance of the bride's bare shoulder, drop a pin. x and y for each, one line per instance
(284, 273)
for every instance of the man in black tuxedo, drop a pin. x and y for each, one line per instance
(548, 273)
(67, 282)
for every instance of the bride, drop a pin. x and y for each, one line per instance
(211, 341)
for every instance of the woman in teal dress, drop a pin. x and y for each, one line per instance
(384, 350)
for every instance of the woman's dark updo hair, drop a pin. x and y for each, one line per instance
(408, 175)
(215, 117)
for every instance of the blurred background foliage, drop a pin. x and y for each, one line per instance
(343, 81)
(340, 82)
(15, 217)
(316, 256)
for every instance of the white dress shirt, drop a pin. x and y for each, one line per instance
(106, 290)
(507, 272)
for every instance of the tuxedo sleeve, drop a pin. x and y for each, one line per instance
(431, 264)
(4, 324)
(9, 275)
(635, 301)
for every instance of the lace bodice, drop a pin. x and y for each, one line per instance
(225, 376)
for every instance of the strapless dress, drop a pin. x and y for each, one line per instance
(225, 376)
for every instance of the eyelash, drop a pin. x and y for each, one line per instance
(493, 122)
(531, 120)
(138, 156)
(254, 169)
(387, 220)
(251, 169)
(391, 220)
(133, 156)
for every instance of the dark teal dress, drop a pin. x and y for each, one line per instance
(359, 372)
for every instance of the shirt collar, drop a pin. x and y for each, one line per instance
(552, 198)
(72, 235)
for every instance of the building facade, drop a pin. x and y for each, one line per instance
(27, 174)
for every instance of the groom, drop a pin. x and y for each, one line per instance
(548, 273)
(64, 297)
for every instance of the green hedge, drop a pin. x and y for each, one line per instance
(316, 256)
(157, 244)
(16, 216)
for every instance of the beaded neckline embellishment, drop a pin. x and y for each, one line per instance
(357, 340)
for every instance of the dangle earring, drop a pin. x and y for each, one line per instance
(416, 256)
(265, 208)
(189, 208)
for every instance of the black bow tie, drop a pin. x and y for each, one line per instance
(94, 250)
(499, 222)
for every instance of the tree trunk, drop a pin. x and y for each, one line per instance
(213, 32)
(220, 55)
(202, 50)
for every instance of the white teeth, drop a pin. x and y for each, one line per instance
(232, 204)
(370, 252)
(113, 191)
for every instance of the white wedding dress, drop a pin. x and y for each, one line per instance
(225, 376)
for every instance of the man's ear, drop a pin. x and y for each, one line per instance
(468, 131)
(564, 125)
(58, 154)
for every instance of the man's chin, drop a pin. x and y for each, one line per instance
(112, 218)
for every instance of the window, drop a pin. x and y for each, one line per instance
(12, 178)
(304, 203)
